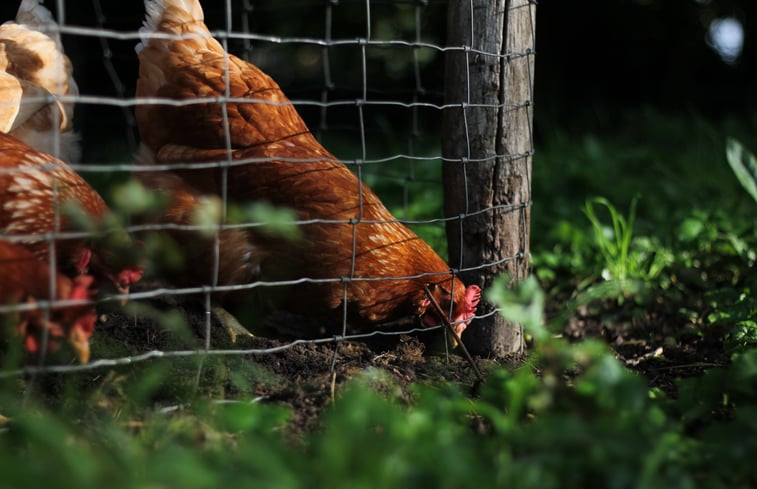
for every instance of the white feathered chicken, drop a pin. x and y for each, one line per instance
(34, 75)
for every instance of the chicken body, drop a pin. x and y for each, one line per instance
(26, 280)
(34, 74)
(33, 188)
(353, 249)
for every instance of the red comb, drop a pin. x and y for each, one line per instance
(31, 343)
(84, 259)
(130, 276)
(472, 297)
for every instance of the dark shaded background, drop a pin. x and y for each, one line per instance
(616, 55)
(593, 61)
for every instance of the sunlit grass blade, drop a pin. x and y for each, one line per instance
(615, 248)
(744, 165)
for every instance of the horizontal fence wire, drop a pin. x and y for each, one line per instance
(420, 88)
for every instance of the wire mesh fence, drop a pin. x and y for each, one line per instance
(366, 77)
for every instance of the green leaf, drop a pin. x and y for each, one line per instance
(524, 304)
(132, 197)
(79, 219)
(207, 214)
(274, 221)
(744, 165)
(690, 229)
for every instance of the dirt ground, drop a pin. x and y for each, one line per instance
(300, 373)
(656, 342)
(306, 375)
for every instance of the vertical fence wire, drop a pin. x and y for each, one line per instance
(115, 79)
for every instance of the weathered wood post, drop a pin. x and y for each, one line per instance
(487, 146)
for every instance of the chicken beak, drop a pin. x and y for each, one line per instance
(452, 340)
(458, 328)
(81, 349)
(123, 290)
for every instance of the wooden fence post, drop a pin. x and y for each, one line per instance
(487, 146)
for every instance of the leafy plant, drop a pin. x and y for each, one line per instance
(736, 316)
(614, 243)
(629, 264)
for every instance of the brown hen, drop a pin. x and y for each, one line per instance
(353, 248)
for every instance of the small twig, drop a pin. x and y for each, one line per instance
(689, 365)
(452, 332)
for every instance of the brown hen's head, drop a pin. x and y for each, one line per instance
(463, 304)
(115, 261)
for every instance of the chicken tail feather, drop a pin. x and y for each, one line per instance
(170, 17)
(10, 99)
(32, 13)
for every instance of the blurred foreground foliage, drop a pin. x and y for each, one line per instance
(571, 416)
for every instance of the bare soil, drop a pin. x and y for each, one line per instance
(306, 368)
(302, 364)
(657, 342)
